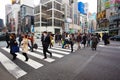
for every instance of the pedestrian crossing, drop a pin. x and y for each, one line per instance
(18, 72)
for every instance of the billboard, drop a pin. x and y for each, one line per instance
(81, 7)
(111, 3)
(115, 3)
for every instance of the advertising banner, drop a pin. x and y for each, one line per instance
(81, 7)
(115, 3)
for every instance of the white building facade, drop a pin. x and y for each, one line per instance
(12, 18)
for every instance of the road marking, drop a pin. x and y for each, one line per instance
(53, 54)
(87, 62)
(57, 51)
(40, 57)
(61, 49)
(12, 68)
(30, 62)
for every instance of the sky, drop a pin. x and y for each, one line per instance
(92, 6)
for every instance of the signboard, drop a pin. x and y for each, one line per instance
(81, 7)
(115, 3)
(107, 4)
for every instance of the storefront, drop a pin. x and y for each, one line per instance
(114, 27)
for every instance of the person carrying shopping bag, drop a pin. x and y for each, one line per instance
(13, 46)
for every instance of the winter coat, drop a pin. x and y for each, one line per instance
(24, 45)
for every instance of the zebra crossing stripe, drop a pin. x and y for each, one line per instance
(62, 49)
(40, 57)
(57, 51)
(59, 47)
(12, 68)
(30, 62)
(53, 54)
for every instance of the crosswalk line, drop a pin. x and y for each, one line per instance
(40, 56)
(12, 68)
(69, 49)
(30, 62)
(62, 49)
(53, 54)
(57, 51)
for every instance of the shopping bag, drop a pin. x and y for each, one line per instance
(15, 49)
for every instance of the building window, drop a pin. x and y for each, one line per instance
(49, 5)
(58, 14)
(37, 18)
(57, 23)
(37, 24)
(37, 10)
(57, 6)
(49, 23)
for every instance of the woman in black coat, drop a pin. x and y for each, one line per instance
(12, 44)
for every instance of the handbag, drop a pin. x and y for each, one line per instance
(15, 49)
(35, 46)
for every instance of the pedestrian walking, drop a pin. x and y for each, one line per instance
(24, 46)
(84, 39)
(78, 39)
(59, 38)
(7, 37)
(20, 39)
(106, 39)
(31, 38)
(51, 40)
(88, 39)
(67, 41)
(63, 39)
(94, 40)
(46, 43)
(13, 43)
(72, 39)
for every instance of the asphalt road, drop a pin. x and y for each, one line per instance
(85, 64)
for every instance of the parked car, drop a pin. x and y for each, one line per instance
(116, 38)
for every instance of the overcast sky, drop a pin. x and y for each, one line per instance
(92, 6)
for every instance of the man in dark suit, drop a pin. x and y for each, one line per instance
(46, 43)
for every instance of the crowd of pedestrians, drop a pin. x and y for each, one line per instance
(65, 40)
(86, 40)
(25, 41)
